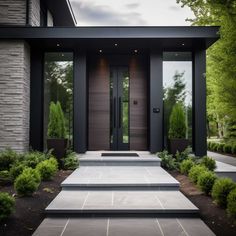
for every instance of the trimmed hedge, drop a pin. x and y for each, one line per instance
(221, 189)
(221, 147)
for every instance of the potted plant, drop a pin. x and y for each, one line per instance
(177, 130)
(57, 131)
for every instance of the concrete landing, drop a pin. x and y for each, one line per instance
(121, 202)
(225, 170)
(123, 227)
(120, 177)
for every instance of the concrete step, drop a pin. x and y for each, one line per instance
(122, 203)
(111, 226)
(120, 177)
(225, 170)
(119, 161)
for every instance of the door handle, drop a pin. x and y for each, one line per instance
(119, 112)
(114, 113)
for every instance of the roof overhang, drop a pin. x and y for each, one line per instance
(181, 36)
(62, 12)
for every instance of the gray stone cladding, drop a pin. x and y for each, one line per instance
(12, 12)
(14, 95)
(34, 12)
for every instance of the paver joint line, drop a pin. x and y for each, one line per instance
(67, 222)
(182, 227)
(108, 224)
(158, 223)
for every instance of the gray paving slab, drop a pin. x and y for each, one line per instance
(126, 226)
(117, 202)
(120, 176)
(225, 170)
(222, 158)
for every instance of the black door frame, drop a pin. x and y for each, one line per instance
(116, 111)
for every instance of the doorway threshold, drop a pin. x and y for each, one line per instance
(119, 154)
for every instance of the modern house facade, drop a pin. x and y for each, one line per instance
(116, 85)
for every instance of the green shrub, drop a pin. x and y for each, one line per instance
(167, 160)
(27, 182)
(56, 125)
(233, 149)
(180, 156)
(214, 146)
(5, 177)
(195, 171)
(7, 204)
(210, 146)
(185, 166)
(209, 163)
(221, 189)
(220, 147)
(47, 169)
(7, 158)
(32, 159)
(206, 181)
(227, 148)
(71, 162)
(231, 203)
(16, 170)
(177, 122)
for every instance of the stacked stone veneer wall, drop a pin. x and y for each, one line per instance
(12, 12)
(34, 12)
(14, 95)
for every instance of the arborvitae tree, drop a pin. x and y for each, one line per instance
(177, 122)
(61, 121)
(54, 130)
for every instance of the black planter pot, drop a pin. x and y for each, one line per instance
(59, 147)
(175, 145)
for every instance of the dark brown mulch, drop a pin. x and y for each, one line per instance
(215, 217)
(29, 211)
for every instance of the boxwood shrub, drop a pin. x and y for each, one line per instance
(7, 204)
(71, 162)
(27, 182)
(206, 181)
(7, 158)
(47, 169)
(209, 163)
(186, 165)
(231, 203)
(16, 170)
(195, 171)
(221, 189)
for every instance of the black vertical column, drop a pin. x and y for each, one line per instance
(156, 102)
(36, 99)
(199, 102)
(80, 103)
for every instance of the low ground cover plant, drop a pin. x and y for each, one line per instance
(167, 160)
(7, 204)
(221, 189)
(71, 162)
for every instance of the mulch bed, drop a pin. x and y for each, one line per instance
(29, 211)
(215, 217)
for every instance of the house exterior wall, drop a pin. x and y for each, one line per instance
(15, 95)
(12, 12)
(34, 12)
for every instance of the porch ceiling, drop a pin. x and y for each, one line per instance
(106, 38)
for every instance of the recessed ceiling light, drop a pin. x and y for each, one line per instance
(58, 45)
(62, 55)
(176, 54)
(116, 44)
(135, 50)
(183, 44)
(100, 50)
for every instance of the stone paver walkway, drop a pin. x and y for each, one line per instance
(222, 158)
(121, 196)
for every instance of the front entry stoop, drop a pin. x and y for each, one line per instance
(119, 198)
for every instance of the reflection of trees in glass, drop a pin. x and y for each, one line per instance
(177, 93)
(59, 86)
(125, 109)
(172, 95)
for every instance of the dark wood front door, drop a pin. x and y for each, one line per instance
(119, 108)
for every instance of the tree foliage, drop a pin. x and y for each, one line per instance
(221, 58)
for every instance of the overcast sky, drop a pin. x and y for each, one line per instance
(130, 12)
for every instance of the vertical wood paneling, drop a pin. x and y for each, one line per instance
(138, 112)
(99, 102)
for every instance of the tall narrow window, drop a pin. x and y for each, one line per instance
(58, 88)
(177, 86)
